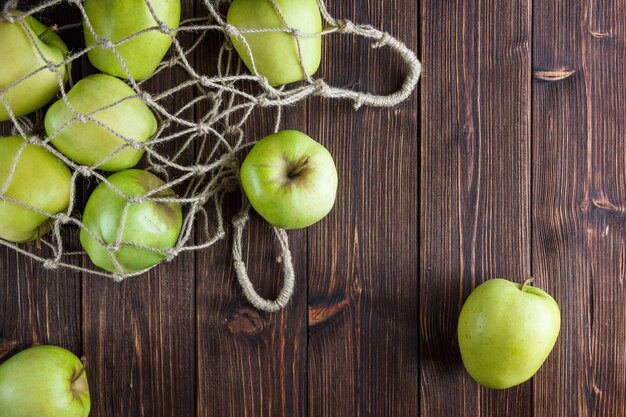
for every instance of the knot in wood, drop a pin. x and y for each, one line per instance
(553, 75)
(246, 321)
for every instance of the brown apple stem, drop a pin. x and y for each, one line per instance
(81, 371)
(53, 29)
(526, 282)
(299, 167)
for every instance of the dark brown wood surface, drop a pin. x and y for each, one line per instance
(511, 158)
(523, 170)
(182, 341)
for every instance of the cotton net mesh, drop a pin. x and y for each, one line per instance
(216, 135)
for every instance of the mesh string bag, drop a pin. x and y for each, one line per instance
(216, 135)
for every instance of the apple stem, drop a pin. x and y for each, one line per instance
(299, 167)
(49, 29)
(82, 369)
(526, 282)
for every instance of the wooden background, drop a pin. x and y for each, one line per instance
(181, 341)
(517, 142)
(523, 174)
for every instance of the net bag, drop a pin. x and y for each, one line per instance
(229, 95)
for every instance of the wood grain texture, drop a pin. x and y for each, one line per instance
(141, 332)
(475, 185)
(578, 199)
(181, 340)
(38, 306)
(362, 347)
(250, 363)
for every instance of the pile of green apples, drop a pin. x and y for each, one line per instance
(101, 123)
(133, 218)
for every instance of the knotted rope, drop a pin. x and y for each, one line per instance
(216, 133)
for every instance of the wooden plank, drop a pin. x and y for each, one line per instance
(142, 331)
(38, 306)
(474, 185)
(363, 256)
(578, 203)
(250, 363)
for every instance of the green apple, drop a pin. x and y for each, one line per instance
(276, 53)
(117, 20)
(40, 180)
(153, 224)
(506, 331)
(44, 381)
(90, 142)
(22, 62)
(290, 179)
